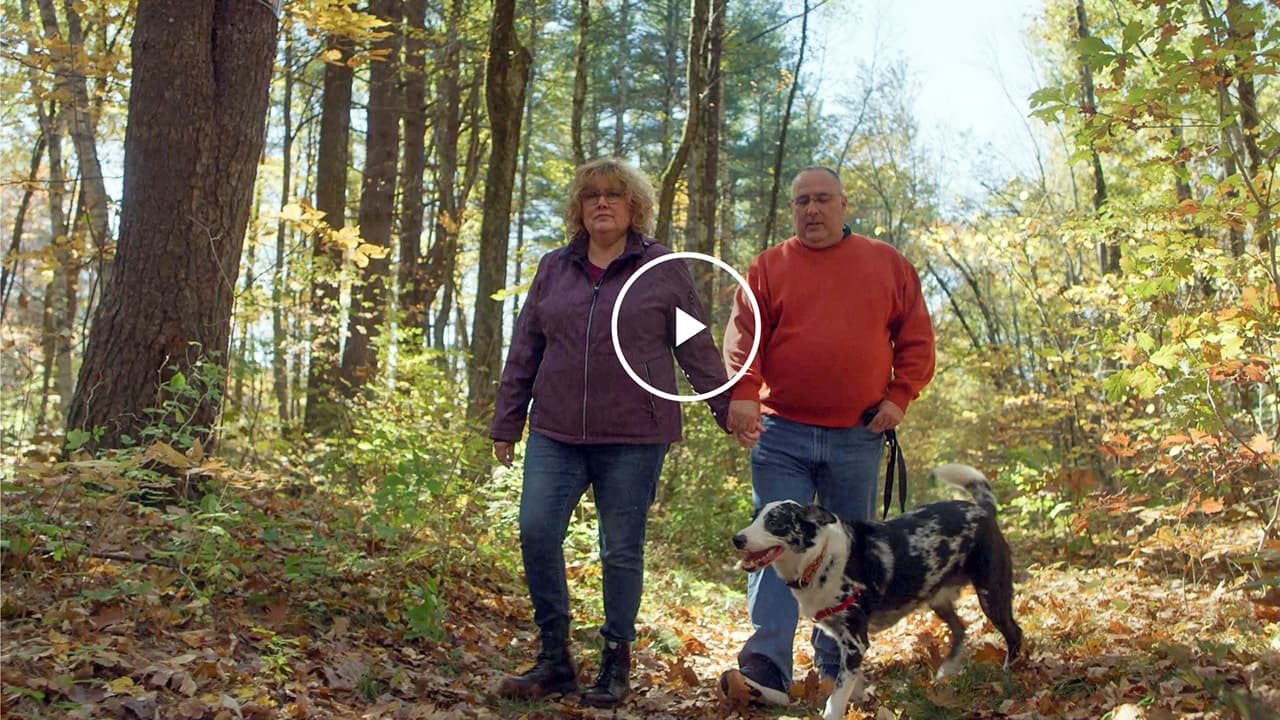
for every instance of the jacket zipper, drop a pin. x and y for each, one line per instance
(586, 353)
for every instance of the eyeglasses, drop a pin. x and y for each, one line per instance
(613, 197)
(819, 198)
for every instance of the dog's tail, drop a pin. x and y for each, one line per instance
(971, 480)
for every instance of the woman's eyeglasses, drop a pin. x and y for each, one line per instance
(613, 197)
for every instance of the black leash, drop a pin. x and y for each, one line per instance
(900, 463)
(896, 462)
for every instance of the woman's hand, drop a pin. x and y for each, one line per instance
(504, 451)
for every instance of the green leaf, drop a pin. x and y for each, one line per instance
(76, 439)
(1167, 357)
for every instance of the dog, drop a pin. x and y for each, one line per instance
(856, 578)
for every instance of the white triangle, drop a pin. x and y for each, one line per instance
(686, 326)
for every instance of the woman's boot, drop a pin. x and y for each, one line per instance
(552, 673)
(613, 684)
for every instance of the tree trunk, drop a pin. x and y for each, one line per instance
(442, 255)
(279, 329)
(1108, 248)
(412, 284)
(377, 205)
(580, 83)
(522, 204)
(705, 176)
(9, 274)
(197, 110)
(622, 77)
(82, 127)
(695, 85)
(333, 157)
(1245, 67)
(780, 153)
(507, 77)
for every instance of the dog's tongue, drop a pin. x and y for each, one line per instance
(756, 560)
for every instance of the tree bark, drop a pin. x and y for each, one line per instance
(279, 328)
(705, 175)
(412, 284)
(197, 110)
(507, 77)
(441, 257)
(377, 206)
(82, 127)
(333, 157)
(580, 83)
(695, 84)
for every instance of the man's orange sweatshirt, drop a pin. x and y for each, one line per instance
(843, 328)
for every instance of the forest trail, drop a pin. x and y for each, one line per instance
(264, 602)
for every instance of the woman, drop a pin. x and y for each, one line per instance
(590, 424)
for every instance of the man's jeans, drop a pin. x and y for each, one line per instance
(794, 461)
(625, 480)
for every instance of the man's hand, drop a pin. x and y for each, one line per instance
(744, 422)
(888, 415)
(504, 451)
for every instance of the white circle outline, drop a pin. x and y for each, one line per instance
(617, 304)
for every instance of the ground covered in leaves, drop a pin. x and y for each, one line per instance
(264, 599)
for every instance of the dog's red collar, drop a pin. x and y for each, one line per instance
(843, 604)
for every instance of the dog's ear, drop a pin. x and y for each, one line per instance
(819, 515)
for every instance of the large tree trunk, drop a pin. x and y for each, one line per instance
(197, 109)
(413, 303)
(695, 85)
(507, 77)
(333, 156)
(705, 175)
(377, 205)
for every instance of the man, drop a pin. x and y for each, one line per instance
(844, 331)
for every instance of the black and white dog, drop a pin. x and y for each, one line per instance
(855, 578)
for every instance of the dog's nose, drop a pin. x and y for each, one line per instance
(739, 540)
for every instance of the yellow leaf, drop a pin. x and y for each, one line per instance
(121, 686)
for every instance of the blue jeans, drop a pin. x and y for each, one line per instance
(625, 480)
(795, 461)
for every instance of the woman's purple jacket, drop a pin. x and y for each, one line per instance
(562, 357)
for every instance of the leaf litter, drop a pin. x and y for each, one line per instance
(269, 604)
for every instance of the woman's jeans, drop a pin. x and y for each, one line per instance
(794, 461)
(625, 480)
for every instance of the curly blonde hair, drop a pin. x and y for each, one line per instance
(639, 191)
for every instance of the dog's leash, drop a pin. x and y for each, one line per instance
(896, 462)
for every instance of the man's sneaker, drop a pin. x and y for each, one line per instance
(756, 680)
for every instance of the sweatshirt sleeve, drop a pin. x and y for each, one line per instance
(741, 331)
(913, 342)
(515, 389)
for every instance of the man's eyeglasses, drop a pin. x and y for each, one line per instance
(820, 198)
(613, 197)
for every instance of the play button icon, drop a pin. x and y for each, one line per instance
(686, 326)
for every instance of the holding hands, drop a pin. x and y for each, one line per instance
(744, 422)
